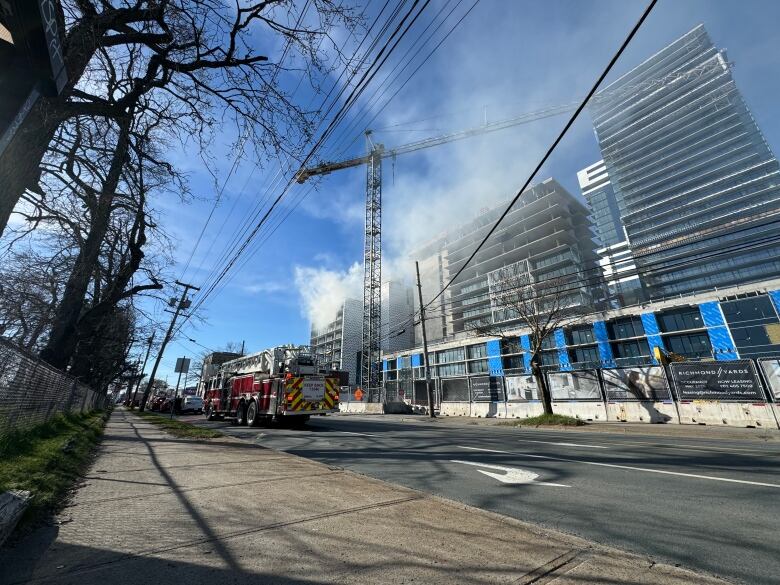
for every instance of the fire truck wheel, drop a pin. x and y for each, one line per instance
(251, 415)
(241, 415)
(209, 413)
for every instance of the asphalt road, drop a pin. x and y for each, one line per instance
(709, 505)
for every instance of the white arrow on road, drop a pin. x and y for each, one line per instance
(511, 475)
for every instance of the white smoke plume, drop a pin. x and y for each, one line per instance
(323, 291)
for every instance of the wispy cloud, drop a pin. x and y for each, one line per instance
(265, 287)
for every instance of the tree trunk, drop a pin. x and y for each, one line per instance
(541, 383)
(62, 341)
(20, 161)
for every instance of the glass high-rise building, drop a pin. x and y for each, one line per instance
(605, 210)
(699, 186)
(614, 253)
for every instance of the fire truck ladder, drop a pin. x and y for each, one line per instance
(372, 252)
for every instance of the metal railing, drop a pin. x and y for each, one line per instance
(32, 391)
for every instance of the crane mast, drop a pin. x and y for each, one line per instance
(372, 276)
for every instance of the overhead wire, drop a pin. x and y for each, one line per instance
(366, 78)
(555, 143)
(240, 147)
(419, 66)
(285, 166)
(373, 98)
(301, 198)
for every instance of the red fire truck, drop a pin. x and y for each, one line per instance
(281, 384)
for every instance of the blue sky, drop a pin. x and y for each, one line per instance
(510, 56)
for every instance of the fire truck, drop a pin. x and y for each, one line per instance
(282, 384)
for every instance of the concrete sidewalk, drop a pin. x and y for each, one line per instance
(156, 509)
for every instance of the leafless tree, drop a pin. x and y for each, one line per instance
(93, 195)
(539, 308)
(31, 283)
(201, 54)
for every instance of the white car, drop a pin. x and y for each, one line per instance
(192, 404)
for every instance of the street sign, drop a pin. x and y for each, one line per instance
(182, 365)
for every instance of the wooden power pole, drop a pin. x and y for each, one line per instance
(182, 304)
(425, 344)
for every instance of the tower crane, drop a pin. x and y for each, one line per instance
(372, 250)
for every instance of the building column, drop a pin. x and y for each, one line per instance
(653, 334)
(605, 349)
(723, 346)
(563, 354)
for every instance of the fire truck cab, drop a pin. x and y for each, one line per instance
(281, 384)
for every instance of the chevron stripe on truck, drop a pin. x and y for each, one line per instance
(319, 394)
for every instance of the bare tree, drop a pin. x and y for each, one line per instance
(31, 283)
(199, 53)
(539, 308)
(93, 194)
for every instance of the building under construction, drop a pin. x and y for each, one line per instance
(697, 183)
(337, 344)
(546, 236)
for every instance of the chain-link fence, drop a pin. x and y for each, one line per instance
(32, 391)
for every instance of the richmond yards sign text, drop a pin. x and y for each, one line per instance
(735, 381)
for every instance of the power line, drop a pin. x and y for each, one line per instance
(365, 110)
(303, 197)
(419, 66)
(554, 145)
(279, 176)
(378, 61)
(241, 143)
(577, 285)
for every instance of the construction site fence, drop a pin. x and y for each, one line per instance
(32, 391)
(742, 392)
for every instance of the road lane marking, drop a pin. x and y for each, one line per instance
(354, 433)
(511, 475)
(486, 450)
(565, 444)
(630, 467)
(724, 449)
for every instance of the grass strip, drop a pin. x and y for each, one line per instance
(177, 428)
(545, 420)
(48, 459)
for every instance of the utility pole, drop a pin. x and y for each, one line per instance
(149, 342)
(182, 304)
(425, 344)
(242, 347)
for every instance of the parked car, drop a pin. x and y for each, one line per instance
(192, 404)
(155, 402)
